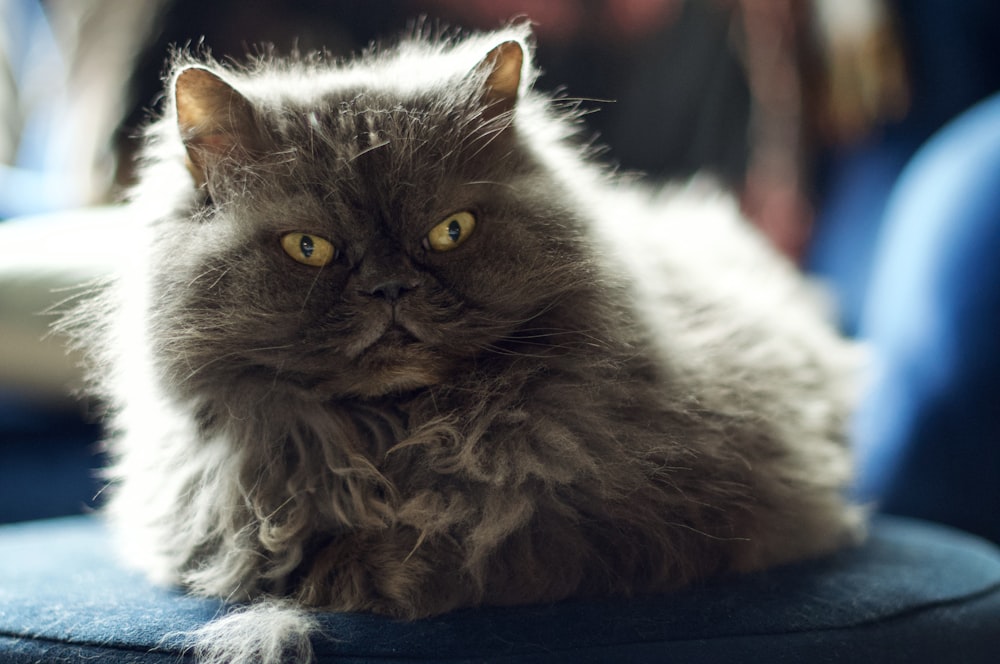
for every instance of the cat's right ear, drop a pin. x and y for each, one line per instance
(503, 66)
(215, 121)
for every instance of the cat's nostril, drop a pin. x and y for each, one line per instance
(390, 290)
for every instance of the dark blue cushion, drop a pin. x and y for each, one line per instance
(913, 593)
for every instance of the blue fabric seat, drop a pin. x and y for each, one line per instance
(914, 593)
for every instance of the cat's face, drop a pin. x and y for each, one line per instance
(356, 244)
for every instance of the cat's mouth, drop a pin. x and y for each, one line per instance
(395, 361)
(388, 353)
(390, 336)
(397, 335)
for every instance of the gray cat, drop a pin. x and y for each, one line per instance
(393, 344)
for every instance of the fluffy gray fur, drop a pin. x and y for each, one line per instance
(604, 390)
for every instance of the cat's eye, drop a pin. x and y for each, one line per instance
(451, 232)
(308, 249)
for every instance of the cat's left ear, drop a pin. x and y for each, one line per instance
(216, 122)
(503, 82)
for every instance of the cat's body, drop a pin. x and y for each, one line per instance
(591, 390)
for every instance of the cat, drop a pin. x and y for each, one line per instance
(395, 342)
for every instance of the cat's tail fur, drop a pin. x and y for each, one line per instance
(268, 631)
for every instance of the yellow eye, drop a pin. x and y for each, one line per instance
(308, 249)
(451, 232)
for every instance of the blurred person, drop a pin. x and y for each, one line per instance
(908, 228)
(952, 53)
(929, 430)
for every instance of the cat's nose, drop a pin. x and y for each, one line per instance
(390, 290)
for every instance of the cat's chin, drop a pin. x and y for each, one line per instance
(398, 362)
(393, 380)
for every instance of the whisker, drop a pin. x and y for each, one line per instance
(237, 353)
(489, 182)
(312, 286)
(369, 149)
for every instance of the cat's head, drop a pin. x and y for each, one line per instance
(356, 228)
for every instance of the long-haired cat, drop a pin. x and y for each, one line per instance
(392, 344)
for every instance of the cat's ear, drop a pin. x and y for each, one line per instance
(214, 119)
(503, 81)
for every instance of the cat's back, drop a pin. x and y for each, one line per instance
(690, 240)
(720, 305)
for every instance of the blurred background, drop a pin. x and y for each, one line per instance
(861, 136)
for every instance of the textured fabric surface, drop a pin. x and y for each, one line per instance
(913, 593)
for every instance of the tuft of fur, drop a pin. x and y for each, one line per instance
(267, 631)
(604, 390)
